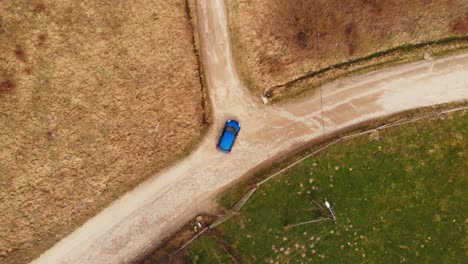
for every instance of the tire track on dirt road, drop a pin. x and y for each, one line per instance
(145, 216)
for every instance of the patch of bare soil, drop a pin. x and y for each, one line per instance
(170, 251)
(95, 97)
(283, 40)
(461, 27)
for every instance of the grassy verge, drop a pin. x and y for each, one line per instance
(165, 253)
(399, 197)
(393, 57)
(191, 13)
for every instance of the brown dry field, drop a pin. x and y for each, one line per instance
(276, 41)
(95, 97)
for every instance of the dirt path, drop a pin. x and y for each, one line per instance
(165, 202)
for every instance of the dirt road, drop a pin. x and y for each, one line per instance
(165, 202)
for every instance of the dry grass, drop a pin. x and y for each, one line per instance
(287, 39)
(95, 97)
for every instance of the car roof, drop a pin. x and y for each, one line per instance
(231, 128)
(227, 140)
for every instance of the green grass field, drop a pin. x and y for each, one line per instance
(208, 251)
(399, 198)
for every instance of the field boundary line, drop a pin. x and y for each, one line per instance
(235, 209)
(190, 241)
(295, 163)
(225, 246)
(200, 70)
(341, 65)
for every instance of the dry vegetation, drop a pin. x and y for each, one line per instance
(95, 96)
(284, 40)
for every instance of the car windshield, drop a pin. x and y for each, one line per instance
(231, 129)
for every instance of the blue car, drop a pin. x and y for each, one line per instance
(228, 137)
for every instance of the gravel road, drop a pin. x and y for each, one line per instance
(162, 204)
